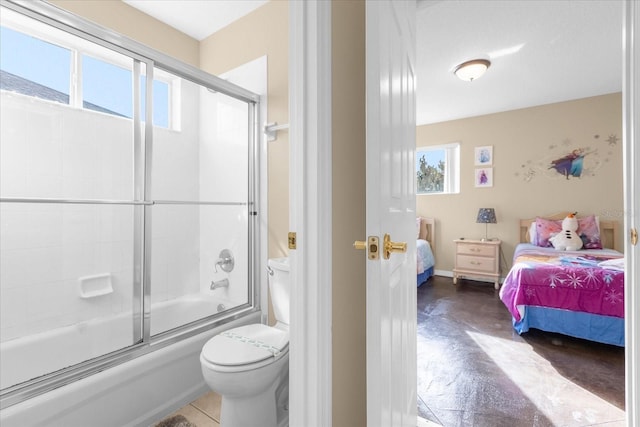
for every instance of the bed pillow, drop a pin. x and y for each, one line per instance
(545, 229)
(588, 230)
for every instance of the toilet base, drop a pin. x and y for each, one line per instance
(268, 409)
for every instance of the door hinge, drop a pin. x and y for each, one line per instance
(292, 240)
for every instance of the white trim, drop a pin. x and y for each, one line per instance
(631, 141)
(310, 368)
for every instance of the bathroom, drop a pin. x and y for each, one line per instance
(114, 258)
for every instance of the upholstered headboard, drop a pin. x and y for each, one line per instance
(428, 231)
(608, 230)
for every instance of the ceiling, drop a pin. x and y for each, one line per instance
(540, 51)
(196, 18)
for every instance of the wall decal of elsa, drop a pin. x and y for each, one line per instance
(566, 160)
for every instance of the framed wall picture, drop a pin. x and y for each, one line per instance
(484, 177)
(484, 155)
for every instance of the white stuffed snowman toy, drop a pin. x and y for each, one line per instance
(567, 239)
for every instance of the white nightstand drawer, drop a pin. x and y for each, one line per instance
(474, 263)
(476, 249)
(477, 258)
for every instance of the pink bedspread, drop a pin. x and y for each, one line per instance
(565, 280)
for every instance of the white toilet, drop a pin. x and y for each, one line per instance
(249, 365)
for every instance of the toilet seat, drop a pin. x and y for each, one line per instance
(245, 348)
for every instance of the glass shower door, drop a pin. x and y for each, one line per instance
(200, 193)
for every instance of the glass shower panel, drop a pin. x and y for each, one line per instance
(186, 243)
(200, 189)
(67, 216)
(66, 278)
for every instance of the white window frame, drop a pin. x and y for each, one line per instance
(452, 167)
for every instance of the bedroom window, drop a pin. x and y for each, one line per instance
(438, 169)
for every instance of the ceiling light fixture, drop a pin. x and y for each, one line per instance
(471, 70)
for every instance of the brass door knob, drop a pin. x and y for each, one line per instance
(390, 246)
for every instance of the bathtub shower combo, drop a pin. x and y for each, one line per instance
(129, 222)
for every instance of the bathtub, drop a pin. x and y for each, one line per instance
(135, 393)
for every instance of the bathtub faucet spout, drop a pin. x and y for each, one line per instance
(224, 283)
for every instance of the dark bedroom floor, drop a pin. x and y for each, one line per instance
(474, 370)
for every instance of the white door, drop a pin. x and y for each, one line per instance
(391, 283)
(631, 99)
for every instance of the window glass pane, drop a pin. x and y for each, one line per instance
(438, 169)
(106, 87)
(34, 67)
(160, 102)
(430, 171)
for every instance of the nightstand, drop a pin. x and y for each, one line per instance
(477, 258)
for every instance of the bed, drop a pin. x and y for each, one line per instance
(425, 245)
(575, 293)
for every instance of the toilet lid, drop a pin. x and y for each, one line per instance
(245, 345)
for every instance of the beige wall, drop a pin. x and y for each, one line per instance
(349, 213)
(265, 31)
(136, 25)
(523, 140)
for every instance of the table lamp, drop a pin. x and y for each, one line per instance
(486, 216)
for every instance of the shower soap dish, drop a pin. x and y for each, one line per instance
(95, 286)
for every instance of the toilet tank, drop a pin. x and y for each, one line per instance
(279, 288)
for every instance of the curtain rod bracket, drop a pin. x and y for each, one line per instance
(271, 130)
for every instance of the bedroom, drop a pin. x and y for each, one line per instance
(528, 140)
(525, 134)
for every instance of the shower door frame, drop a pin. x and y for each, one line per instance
(143, 342)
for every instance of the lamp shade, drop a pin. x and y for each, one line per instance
(486, 216)
(471, 70)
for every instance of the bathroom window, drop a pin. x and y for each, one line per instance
(438, 169)
(106, 87)
(34, 67)
(42, 64)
